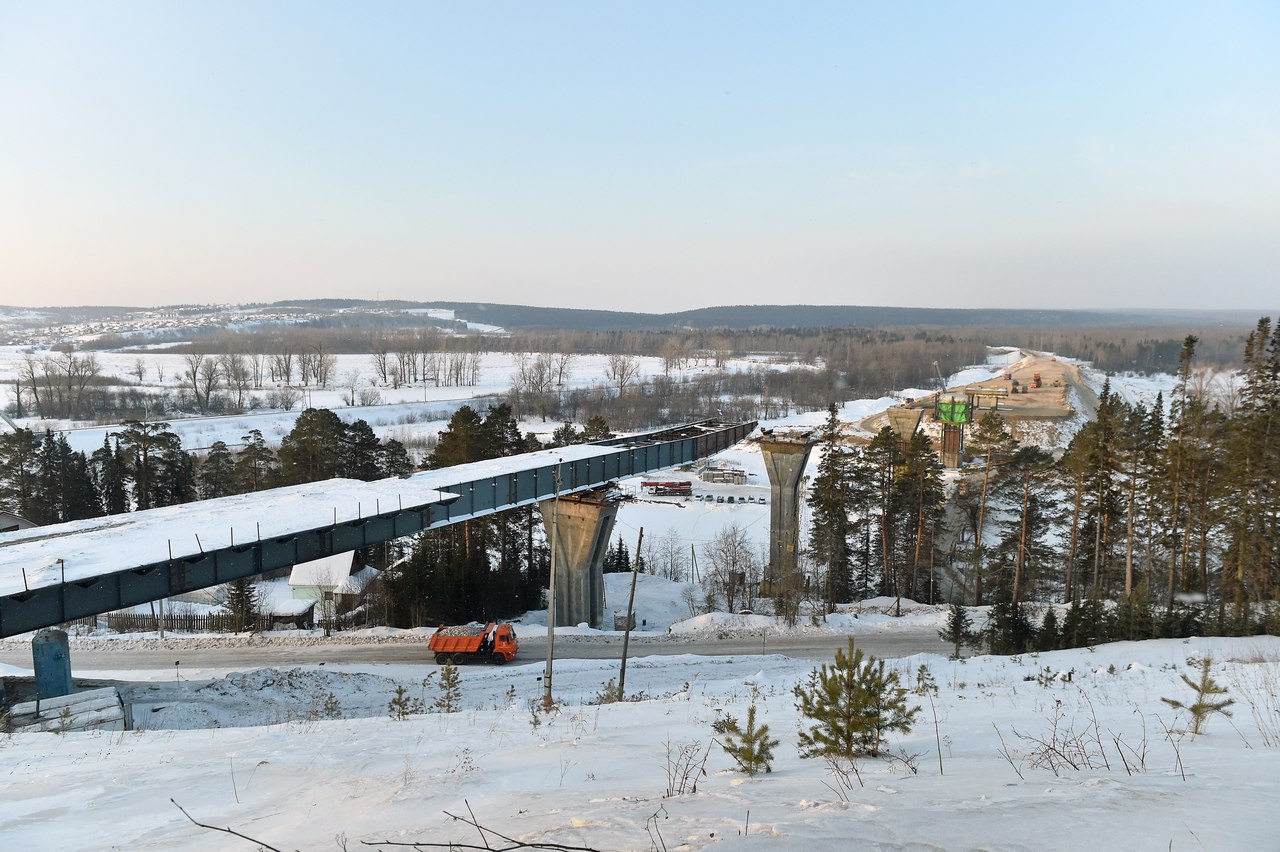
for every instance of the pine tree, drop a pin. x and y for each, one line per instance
(992, 442)
(751, 747)
(450, 698)
(358, 450)
(1203, 706)
(217, 472)
(852, 704)
(19, 471)
(110, 469)
(596, 429)
(393, 460)
(312, 450)
(831, 505)
(255, 464)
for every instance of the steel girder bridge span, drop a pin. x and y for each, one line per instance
(55, 574)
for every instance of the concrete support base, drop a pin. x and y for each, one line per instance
(579, 529)
(784, 460)
(51, 659)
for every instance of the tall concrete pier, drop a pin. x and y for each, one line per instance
(579, 529)
(785, 457)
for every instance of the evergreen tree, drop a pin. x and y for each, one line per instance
(149, 447)
(831, 505)
(393, 460)
(751, 747)
(1027, 481)
(958, 631)
(217, 472)
(992, 442)
(1049, 634)
(111, 471)
(617, 559)
(243, 605)
(596, 429)
(312, 450)
(918, 497)
(255, 464)
(19, 471)
(851, 705)
(358, 451)
(460, 442)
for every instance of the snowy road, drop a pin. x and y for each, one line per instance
(204, 654)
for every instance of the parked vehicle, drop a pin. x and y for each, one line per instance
(492, 643)
(719, 498)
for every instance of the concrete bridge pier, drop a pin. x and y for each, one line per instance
(579, 528)
(785, 457)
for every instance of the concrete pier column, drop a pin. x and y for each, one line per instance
(785, 458)
(51, 659)
(583, 525)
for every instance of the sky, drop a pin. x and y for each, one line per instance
(649, 156)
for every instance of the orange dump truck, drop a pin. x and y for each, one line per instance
(471, 643)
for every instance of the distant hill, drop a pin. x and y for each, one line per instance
(524, 317)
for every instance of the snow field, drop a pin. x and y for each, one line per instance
(596, 776)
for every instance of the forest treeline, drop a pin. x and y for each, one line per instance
(1174, 516)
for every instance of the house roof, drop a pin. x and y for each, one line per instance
(326, 571)
(291, 607)
(356, 583)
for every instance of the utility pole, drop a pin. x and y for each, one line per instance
(631, 602)
(551, 594)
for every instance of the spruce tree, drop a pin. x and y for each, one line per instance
(958, 631)
(243, 605)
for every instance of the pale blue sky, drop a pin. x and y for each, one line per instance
(650, 156)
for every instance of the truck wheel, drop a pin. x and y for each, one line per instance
(498, 659)
(441, 659)
(459, 659)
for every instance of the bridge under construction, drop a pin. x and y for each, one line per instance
(54, 574)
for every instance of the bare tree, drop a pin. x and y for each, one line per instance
(621, 370)
(379, 358)
(235, 372)
(203, 375)
(563, 365)
(732, 564)
(257, 365)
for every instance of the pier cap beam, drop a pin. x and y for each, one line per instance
(579, 529)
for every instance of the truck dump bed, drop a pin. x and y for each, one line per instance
(464, 639)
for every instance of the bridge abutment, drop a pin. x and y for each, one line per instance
(579, 528)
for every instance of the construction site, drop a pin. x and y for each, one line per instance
(1035, 391)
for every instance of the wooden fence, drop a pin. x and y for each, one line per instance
(182, 623)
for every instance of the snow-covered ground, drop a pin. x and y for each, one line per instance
(310, 758)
